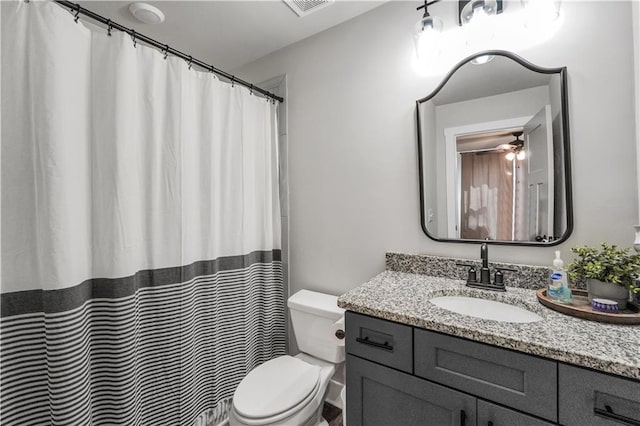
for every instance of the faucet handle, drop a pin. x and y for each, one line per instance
(499, 276)
(471, 275)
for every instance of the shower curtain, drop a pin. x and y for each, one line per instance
(487, 196)
(141, 272)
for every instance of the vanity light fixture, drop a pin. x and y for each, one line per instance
(471, 13)
(480, 25)
(426, 33)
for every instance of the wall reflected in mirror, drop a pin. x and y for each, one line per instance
(493, 145)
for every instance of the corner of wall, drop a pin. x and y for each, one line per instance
(635, 19)
(278, 85)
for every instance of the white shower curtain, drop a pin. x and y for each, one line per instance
(141, 274)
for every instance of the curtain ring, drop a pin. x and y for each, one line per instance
(109, 27)
(212, 69)
(251, 89)
(77, 15)
(133, 37)
(166, 51)
(190, 60)
(233, 81)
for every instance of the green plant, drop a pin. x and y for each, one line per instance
(609, 264)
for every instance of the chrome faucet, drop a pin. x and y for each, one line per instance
(485, 273)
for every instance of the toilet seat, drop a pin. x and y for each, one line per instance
(276, 390)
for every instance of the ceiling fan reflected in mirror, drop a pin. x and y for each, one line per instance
(515, 148)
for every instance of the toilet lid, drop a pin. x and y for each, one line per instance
(275, 387)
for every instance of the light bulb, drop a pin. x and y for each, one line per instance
(475, 18)
(510, 156)
(541, 12)
(426, 36)
(478, 11)
(521, 155)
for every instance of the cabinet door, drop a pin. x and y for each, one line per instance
(493, 415)
(378, 395)
(591, 398)
(513, 379)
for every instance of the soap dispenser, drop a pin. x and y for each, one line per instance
(558, 288)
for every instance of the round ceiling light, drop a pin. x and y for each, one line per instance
(144, 12)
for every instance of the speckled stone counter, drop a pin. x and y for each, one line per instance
(404, 298)
(525, 276)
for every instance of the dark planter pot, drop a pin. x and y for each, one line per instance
(602, 290)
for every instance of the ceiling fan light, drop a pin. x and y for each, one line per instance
(510, 156)
(521, 155)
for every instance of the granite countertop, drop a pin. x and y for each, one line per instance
(404, 298)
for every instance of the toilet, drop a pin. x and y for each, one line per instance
(290, 390)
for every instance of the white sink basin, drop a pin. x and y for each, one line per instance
(485, 309)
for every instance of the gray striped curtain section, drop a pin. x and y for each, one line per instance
(158, 355)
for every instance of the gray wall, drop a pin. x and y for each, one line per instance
(352, 142)
(635, 17)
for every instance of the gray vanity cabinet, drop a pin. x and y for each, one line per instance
(592, 398)
(383, 396)
(398, 375)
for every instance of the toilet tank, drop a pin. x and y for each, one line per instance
(312, 315)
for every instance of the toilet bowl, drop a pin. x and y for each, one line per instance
(291, 390)
(287, 391)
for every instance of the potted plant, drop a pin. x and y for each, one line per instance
(610, 272)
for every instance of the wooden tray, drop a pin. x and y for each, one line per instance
(581, 308)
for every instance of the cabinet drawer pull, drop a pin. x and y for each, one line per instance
(608, 413)
(463, 418)
(386, 346)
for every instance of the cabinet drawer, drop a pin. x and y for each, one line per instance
(377, 395)
(517, 380)
(585, 396)
(381, 341)
(493, 415)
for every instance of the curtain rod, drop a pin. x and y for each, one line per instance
(165, 48)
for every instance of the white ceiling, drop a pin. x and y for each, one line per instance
(229, 34)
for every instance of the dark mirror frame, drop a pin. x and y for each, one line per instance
(562, 71)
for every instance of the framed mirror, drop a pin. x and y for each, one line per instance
(493, 145)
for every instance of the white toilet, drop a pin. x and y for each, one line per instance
(291, 390)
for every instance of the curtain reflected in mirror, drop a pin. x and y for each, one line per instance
(487, 196)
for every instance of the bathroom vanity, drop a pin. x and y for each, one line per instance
(410, 362)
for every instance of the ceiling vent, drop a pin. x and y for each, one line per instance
(305, 7)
